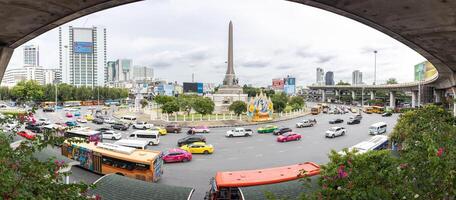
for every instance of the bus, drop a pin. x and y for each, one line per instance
(90, 135)
(377, 142)
(229, 185)
(368, 109)
(378, 109)
(71, 103)
(106, 158)
(315, 110)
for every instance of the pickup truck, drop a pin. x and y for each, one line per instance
(306, 123)
(239, 132)
(142, 125)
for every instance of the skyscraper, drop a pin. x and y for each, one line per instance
(320, 76)
(31, 56)
(111, 71)
(143, 73)
(82, 55)
(329, 78)
(123, 69)
(357, 77)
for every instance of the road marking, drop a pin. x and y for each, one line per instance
(239, 142)
(259, 155)
(249, 147)
(281, 151)
(232, 158)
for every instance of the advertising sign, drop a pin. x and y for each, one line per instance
(83, 47)
(190, 87)
(277, 84)
(200, 88)
(291, 81)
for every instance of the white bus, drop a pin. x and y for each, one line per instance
(137, 144)
(152, 137)
(377, 142)
(128, 119)
(377, 128)
(91, 135)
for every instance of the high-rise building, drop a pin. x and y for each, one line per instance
(357, 77)
(320, 76)
(123, 69)
(329, 78)
(82, 55)
(111, 71)
(31, 56)
(50, 75)
(143, 73)
(13, 76)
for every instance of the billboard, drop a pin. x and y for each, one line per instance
(290, 81)
(200, 88)
(277, 84)
(83, 47)
(190, 87)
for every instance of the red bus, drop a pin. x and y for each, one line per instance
(227, 185)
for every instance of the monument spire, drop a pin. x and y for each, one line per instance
(230, 78)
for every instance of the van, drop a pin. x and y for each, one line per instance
(128, 119)
(152, 137)
(137, 144)
(377, 128)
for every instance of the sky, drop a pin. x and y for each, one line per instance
(272, 39)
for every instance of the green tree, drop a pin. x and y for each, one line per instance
(279, 101)
(26, 91)
(162, 99)
(203, 105)
(144, 103)
(170, 107)
(296, 102)
(391, 81)
(342, 83)
(238, 107)
(185, 102)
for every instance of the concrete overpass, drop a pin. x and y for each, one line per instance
(428, 27)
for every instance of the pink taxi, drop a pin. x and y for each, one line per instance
(290, 136)
(176, 155)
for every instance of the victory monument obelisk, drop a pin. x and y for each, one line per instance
(230, 91)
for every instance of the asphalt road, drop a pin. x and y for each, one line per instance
(243, 153)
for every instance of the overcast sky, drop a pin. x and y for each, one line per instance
(272, 39)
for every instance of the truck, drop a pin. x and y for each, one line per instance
(306, 123)
(142, 125)
(239, 132)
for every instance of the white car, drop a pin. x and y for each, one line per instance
(142, 125)
(43, 121)
(239, 132)
(81, 120)
(10, 126)
(335, 131)
(109, 120)
(111, 135)
(306, 123)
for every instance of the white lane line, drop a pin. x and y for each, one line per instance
(239, 142)
(249, 148)
(200, 159)
(232, 158)
(281, 151)
(259, 155)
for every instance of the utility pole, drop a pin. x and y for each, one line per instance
(56, 87)
(375, 66)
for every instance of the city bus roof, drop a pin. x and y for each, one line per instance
(123, 153)
(265, 176)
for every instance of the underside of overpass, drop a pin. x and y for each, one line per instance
(428, 27)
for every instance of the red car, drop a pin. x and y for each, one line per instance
(68, 114)
(176, 155)
(27, 134)
(290, 136)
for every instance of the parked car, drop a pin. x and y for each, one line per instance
(306, 123)
(190, 139)
(68, 114)
(88, 117)
(48, 109)
(281, 131)
(289, 136)
(81, 120)
(109, 120)
(335, 131)
(142, 125)
(239, 132)
(173, 128)
(198, 129)
(104, 129)
(43, 121)
(176, 155)
(77, 114)
(199, 147)
(336, 121)
(34, 128)
(71, 123)
(353, 121)
(111, 135)
(120, 126)
(27, 134)
(267, 129)
(161, 130)
(98, 121)
(387, 114)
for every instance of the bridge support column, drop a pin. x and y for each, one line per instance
(437, 96)
(323, 95)
(5, 56)
(353, 95)
(392, 95)
(414, 98)
(337, 93)
(372, 93)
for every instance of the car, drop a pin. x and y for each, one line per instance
(10, 126)
(198, 129)
(198, 148)
(353, 120)
(27, 134)
(98, 121)
(77, 114)
(104, 129)
(267, 129)
(354, 110)
(176, 155)
(239, 132)
(71, 123)
(161, 130)
(387, 114)
(336, 121)
(142, 125)
(173, 128)
(119, 126)
(289, 136)
(190, 139)
(281, 131)
(111, 135)
(69, 115)
(306, 123)
(43, 121)
(88, 117)
(81, 120)
(34, 128)
(109, 120)
(335, 131)
(48, 109)
(358, 116)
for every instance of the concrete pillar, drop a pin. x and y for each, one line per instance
(392, 99)
(323, 95)
(353, 95)
(437, 96)
(414, 98)
(5, 56)
(372, 93)
(337, 93)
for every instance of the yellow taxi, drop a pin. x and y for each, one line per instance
(198, 147)
(160, 130)
(88, 117)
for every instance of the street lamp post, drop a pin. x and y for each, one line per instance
(375, 66)
(55, 107)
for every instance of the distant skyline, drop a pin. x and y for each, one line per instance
(272, 39)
